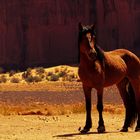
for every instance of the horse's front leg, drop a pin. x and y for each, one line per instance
(101, 127)
(88, 125)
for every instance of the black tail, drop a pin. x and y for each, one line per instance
(131, 100)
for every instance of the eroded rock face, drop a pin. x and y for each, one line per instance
(119, 24)
(45, 32)
(35, 32)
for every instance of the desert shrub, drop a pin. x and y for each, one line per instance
(62, 73)
(12, 72)
(49, 73)
(15, 80)
(40, 70)
(37, 78)
(54, 77)
(27, 74)
(3, 79)
(29, 79)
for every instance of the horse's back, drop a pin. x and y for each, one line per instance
(130, 59)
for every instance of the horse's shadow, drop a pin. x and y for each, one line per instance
(89, 133)
(80, 134)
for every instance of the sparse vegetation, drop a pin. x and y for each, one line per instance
(3, 79)
(40, 74)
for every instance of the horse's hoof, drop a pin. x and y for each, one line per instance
(101, 129)
(124, 130)
(137, 130)
(84, 130)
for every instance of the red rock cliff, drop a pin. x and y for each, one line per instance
(45, 32)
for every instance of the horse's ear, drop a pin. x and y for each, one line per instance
(80, 26)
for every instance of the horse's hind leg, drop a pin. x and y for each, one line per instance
(128, 98)
(136, 85)
(101, 127)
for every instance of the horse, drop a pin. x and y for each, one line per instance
(99, 69)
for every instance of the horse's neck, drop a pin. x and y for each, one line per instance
(86, 63)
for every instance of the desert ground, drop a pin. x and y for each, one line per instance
(54, 109)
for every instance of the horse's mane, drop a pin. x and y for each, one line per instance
(100, 54)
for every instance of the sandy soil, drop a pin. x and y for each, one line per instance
(56, 112)
(63, 127)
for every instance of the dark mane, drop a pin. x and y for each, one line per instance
(100, 54)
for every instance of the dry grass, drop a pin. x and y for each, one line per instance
(47, 109)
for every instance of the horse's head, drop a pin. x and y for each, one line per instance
(87, 41)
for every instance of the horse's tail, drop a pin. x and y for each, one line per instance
(131, 100)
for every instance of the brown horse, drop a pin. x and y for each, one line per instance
(99, 69)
